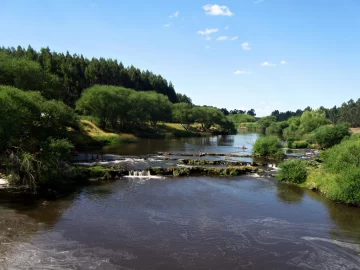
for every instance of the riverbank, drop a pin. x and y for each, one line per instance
(90, 136)
(336, 174)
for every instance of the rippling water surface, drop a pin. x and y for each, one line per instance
(181, 223)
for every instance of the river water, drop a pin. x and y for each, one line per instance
(242, 222)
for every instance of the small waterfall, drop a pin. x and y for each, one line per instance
(141, 174)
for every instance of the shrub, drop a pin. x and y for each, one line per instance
(268, 146)
(343, 156)
(274, 128)
(300, 144)
(293, 171)
(328, 136)
(339, 179)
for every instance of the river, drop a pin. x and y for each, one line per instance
(242, 222)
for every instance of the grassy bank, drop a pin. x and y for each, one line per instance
(337, 175)
(90, 136)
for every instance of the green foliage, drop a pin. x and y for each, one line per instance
(182, 98)
(45, 169)
(265, 122)
(339, 177)
(46, 71)
(293, 127)
(27, 118)
(183, 114)
(207, 116)
(57, 149)
(157, 106)
(293, 171)
(328, 136)
(311, 120)
(268, 146)
(121, 107)
(345, 155)
(343, 186)
(284, 116)
(296, 143)
(238, 119)
(28, 75)
(252, 126)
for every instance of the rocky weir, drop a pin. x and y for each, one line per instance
(172, 164)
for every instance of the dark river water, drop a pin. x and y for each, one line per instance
(181, 223)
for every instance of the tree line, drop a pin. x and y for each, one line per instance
(348, 112)
(65, 76)
(125, 109)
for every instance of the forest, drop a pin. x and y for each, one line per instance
(65, 76)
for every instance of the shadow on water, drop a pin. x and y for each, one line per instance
(289, 194)
(219, 144)
(346, 217)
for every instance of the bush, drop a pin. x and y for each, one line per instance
(343, 156)
(328, 136)
(293, 171)
(268, 146)
(300, 144)
(339, 179)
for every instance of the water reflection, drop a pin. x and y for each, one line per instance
(345, 217)
(214, 223)
(289, 194)
(218, 144)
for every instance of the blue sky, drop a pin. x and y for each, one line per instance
(266, 55)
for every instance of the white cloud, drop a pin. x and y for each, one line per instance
(241, 72)
(283, 62)
(167, 25)
(174, 15)
(226, 27)
(216, 10)
(268, 64)
(222, 38)
(208, 31)
(234, 38)
(262, 103)
(258, 1)
(246, 46)
(208, 38)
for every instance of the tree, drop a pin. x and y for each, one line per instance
(268, 146)
(224, 111)
(99, 101)
(328, 136)
(265, 122)
(27, 118)
(183, 113)
(158, 108)
(28, 75)
(251, 112)
(311, 120)
(43, 70)
(207, 116)
(182, 98)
